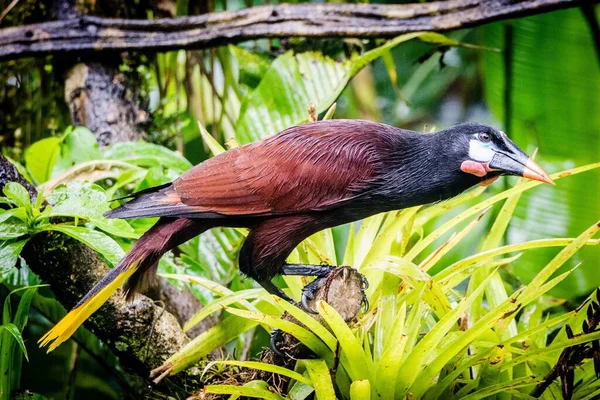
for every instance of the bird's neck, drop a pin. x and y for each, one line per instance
(423, 171)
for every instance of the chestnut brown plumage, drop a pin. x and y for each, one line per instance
(298, 182)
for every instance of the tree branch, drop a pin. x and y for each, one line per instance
(89, 33)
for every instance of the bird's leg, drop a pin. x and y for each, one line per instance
(321, 272)
(276, 334)
(307, 270)
(270, 287)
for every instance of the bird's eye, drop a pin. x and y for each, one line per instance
(485, 137)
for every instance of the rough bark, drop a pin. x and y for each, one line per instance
(142, 333)
(182, 304)
(278, 21)
(98, 99)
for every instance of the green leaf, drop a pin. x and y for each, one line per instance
(292, 83)
(6, 214)
(252, 66)
(360, 390)
(263, 367)
(88, 201)
(358, 365)
(16, 334)
(218, 305)
(147, 155)
(100, 242)
(220, 334)
(242, 391)
(285, 92)
(300, 333)
(12, 229)
(550, 99)
(41, 156)
(320, 378)
(15, 191)
(9, 254)
(82, 145)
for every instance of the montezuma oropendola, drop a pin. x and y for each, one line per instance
(298, 182)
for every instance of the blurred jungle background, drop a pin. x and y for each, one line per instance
(70, 119)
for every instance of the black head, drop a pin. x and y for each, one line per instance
(486, 152)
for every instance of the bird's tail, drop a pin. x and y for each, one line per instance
(138, 266)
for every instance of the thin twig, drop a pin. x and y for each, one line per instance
(7, 9)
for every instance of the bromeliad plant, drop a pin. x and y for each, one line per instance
(462, 332)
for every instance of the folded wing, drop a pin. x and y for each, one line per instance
(309, 167)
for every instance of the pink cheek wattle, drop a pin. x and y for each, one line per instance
(474, 168)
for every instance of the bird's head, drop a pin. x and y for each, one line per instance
(487, 153)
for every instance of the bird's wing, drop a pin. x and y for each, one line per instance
(308, 167)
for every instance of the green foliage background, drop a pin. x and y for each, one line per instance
(537, 78)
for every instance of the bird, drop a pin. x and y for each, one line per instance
(291, 185)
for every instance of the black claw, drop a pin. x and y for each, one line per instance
(365, 303)
(365, 282)
(275, 335)
(306, 296)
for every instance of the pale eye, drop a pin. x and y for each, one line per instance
(484, 137)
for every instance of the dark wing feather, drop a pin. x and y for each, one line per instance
(309, 167)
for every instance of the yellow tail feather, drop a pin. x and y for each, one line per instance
(67, 326)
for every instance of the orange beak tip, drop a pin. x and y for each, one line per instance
(535, 172)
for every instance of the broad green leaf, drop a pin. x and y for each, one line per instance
(147, 155)
(41, 156)
(82, 145)
(252, 66)
(88, 201)
(292, 83)
(9, 254)
(6, 214)
(12, 229)
(98, 241)
(289, 86)
(15, 191)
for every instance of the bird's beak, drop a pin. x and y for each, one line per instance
(516, 162)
